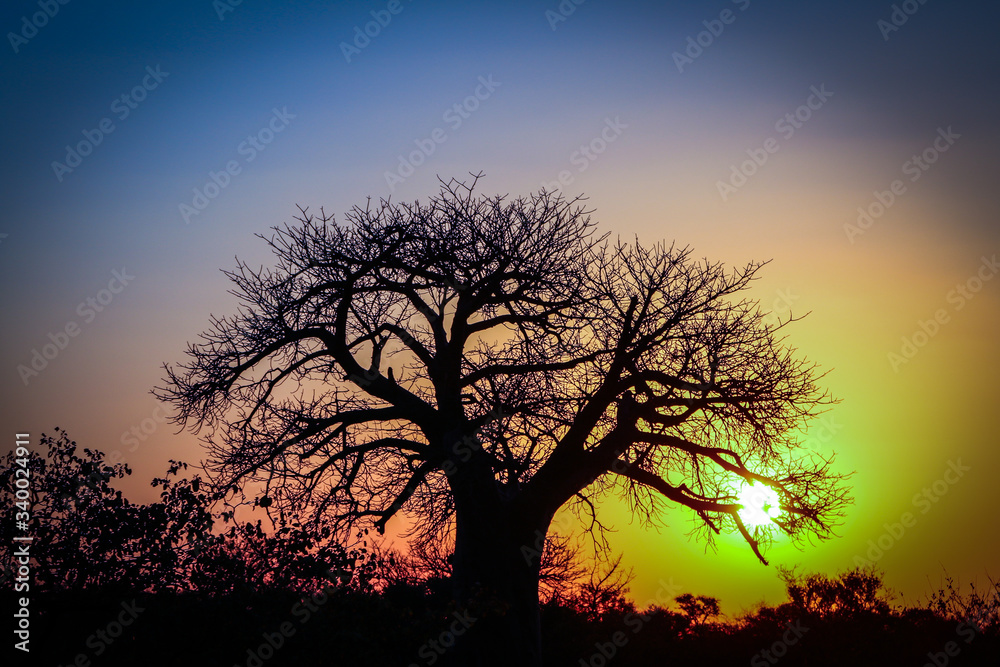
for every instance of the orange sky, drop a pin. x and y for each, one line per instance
(900, 425)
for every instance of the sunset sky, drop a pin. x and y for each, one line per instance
(234, 113)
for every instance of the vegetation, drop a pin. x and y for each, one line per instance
(181, 582)
(476, 363)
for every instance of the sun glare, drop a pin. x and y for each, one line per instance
(760, 505)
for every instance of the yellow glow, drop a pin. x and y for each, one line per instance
(760, 505)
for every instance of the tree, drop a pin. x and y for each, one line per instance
(477, 363)
(87, 535)
(604, 592)
(857, 591)
(698, 610)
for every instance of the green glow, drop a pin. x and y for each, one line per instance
(760, 505)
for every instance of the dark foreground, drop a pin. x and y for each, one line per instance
(408, 625)
(110, 583)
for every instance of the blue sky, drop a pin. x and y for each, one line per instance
(345, 124)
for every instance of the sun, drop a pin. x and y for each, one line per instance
(760, 505)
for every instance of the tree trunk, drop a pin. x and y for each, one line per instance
(496, 567)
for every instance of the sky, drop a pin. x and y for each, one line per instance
(853, 144)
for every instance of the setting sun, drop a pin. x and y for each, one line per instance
(760, 505)
(597, 334)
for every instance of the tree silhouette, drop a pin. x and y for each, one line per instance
(89, 536)
(477, 363)
(858, 591)
(698, 609)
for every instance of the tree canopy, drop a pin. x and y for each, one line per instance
(381, 357)
(479, 362)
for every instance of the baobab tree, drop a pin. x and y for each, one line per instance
(478, 362)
